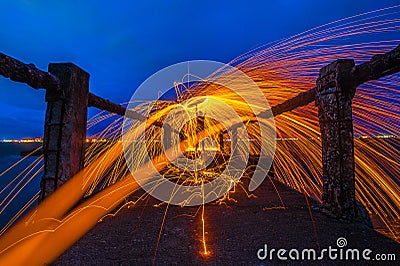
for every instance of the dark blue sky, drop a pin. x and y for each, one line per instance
(121, 43)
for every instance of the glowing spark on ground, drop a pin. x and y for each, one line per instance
(205, 252)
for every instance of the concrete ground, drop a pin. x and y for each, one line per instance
(234, 233)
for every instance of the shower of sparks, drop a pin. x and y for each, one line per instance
(282, 70)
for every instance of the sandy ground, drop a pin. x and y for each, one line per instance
(234, 233)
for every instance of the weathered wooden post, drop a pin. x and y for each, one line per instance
(65, 126)
(334, 94)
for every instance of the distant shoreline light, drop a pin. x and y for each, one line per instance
(88, 140)
(35, 140)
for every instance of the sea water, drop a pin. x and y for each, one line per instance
(10, 153)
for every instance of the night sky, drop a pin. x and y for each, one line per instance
(121, 43)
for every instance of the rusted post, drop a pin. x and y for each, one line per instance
(65, 126)
(299, 100)
(221, 141)
(334, 94)
(26, 73)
